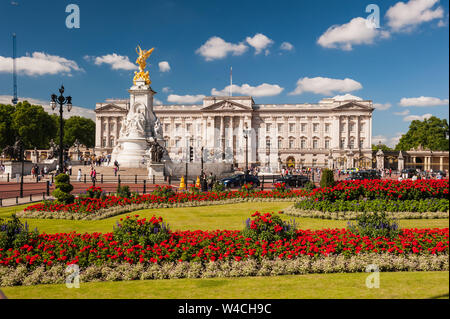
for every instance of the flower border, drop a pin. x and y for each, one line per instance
(10, 276)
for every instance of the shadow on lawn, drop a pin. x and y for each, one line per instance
(441, 296)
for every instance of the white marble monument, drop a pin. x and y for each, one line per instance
(140, 128)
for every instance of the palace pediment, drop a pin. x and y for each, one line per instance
(226, 106)
(353, 106)
(110, 108)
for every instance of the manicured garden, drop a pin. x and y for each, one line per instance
(231, 243)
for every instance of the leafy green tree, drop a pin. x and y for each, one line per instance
(430, 133)
(33, 125)
(6, 131)
(76, 127)
(383, 147)
(80, 128)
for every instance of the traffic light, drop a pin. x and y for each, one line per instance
(191, 154)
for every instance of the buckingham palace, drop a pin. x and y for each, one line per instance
(331, 133)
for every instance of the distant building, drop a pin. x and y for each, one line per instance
(330, 133)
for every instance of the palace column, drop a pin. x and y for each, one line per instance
(221, 137)
(441, 163)
(108, 133)
(232, 137)
(98, 131)
(117, 128)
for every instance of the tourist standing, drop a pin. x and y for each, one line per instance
(79, 175)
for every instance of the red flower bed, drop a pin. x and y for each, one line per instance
(90, 249)
(345, 190)
(383, 189)
(90, 205)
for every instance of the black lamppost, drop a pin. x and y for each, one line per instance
(61, 100)
(21, 157)
(246, 132)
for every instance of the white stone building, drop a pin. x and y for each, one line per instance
(330, 133)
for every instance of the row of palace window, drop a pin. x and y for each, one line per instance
(315, 143)
(280, 127)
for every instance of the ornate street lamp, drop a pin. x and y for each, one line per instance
(61, 100)
(246, 134)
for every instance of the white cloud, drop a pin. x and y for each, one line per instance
(403, 113)
(185, 99)
(390, 141)
(76, 110)
(245, 89)
(405, 16)
(422, 101)
(325, 86)
(347, 97)
(39, 63)
(259, 42)
(352, 33)
(166, 89)
(117, 62)
(410, 118)
(157, 102)
(217, 48)
(286, 46)
(381, 106)
(164, 66)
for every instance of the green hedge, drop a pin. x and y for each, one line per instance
(375, 205)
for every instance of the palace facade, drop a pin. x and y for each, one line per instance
(331, 133)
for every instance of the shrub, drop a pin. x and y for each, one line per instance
(218, 187)
(327, 179)
(268, 227)
(94, 192)
(141, 231)
(163, 191)
(63, 189)
(123, 191)
(309, 186)
(14, 234)
(248, 188)
(374, 225)
(281, 187)
(194, 190)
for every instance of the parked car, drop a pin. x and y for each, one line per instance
(362, 175)
(293, 180)
(409, 172)
(239, 180)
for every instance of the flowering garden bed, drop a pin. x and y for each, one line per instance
(410, 196)
(146, 249)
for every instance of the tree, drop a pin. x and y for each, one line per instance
(80, 128)
(34, 126)
(430, 133)
(383, 147)
(327, 179)
(6, 131)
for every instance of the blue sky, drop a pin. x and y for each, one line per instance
(402, 66)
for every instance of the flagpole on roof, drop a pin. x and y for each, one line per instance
(231, 81)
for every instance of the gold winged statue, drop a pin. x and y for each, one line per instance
(141, 61)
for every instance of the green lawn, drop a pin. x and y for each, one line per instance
(393, 285)
(230, 216)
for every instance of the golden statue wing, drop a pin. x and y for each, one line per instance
(147, 54)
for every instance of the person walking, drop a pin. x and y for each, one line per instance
(79, 175)
(93, 175)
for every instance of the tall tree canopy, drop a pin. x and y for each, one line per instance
(430, 133)
(36, 127)
(80, 128)
(6, 131)
(33, 125)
